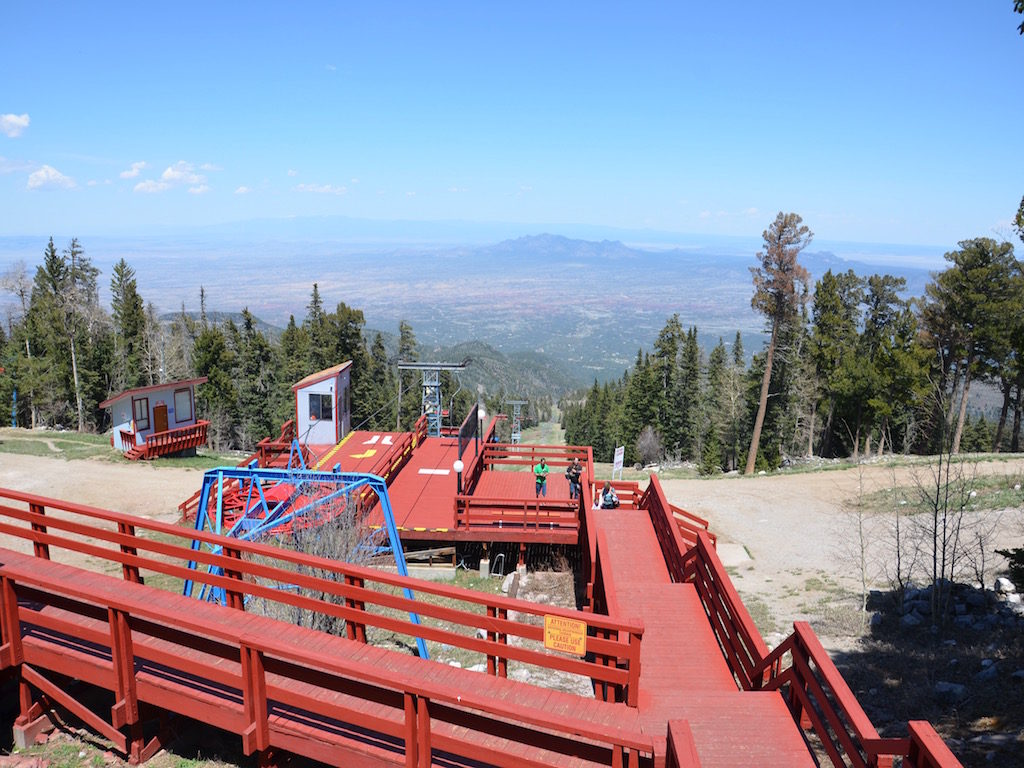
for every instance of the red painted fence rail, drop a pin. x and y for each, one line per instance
(254, 570)
(818, 696)
(269, 686)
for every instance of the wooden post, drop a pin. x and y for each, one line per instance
(633, 685)
(503, 639)
(355, 630)
(492, 668)
(236, 599)
(11, 624)
(40, 549)
(256, 736)
(411, 743)
(129, 572)
(423, 731)
(125, 711)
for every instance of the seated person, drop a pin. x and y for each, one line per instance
(609, 499)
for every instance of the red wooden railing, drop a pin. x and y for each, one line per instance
(526, 514)
(818, 697)
(681, 751)
(175, 440)
(529, 512)
(613, 656)
(256, 666)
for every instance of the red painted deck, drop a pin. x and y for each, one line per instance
(683, 674)
(357, 452)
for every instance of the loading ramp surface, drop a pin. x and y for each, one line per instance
(683, 674)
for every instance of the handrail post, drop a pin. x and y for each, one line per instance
(10, 625)
(236, 598)
(256, 736)
(125, 711)
(355, 630)
(129, 572)
(633, 684)
(39, 548)
(492, 666)
(503, 639)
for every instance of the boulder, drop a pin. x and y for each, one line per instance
(911, 620)
(950, 691)
(1004, 586)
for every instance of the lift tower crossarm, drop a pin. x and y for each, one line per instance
(431, 403)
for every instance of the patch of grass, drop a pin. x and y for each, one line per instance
(990, 492)
(84, 445)
(761, 613)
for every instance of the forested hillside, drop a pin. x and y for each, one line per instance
(63, 353)
(851, 367)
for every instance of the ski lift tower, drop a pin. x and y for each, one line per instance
(517, 420)
(431, 389)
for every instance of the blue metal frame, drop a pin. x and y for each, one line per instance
(260, 516)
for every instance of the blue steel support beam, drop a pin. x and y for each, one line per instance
(259, 518)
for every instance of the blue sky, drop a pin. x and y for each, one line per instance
(878, 122)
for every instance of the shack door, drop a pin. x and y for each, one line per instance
(160, 418)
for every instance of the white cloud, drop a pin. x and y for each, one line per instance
(292, 172)
(751, 211)
(243, 190)
(200, 189)
(92, 183)
(134, 171)
(149, 186)
(705, 214)
(13, 125)
(410, 194)
(48, 176)
(330, 67)
(182, 173)
(355, 181)
(210, 167)
(323, 189)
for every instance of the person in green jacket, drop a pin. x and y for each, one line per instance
(540, 472)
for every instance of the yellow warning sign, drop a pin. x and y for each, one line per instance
(565, 635)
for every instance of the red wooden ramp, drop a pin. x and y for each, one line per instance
(278, 685)
(683, 674)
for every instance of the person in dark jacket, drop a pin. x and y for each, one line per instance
(572, 474)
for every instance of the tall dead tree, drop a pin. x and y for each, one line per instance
(780, 285)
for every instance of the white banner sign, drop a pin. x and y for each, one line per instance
(620, 453)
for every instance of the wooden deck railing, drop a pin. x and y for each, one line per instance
(818, 696)
(175, 440)
(526, 514)
(527, 454)
(681, 752)
(821, 701)
(258, 681)
(359, 596)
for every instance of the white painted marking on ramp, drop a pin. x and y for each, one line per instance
(372, 440)
(435, 471)
(388, 440)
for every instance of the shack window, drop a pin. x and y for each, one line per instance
(182, 405)
(320, 406)
(140, 410)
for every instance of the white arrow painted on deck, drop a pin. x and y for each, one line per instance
(372, 440)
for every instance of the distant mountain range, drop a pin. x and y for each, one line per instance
(577, 309)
